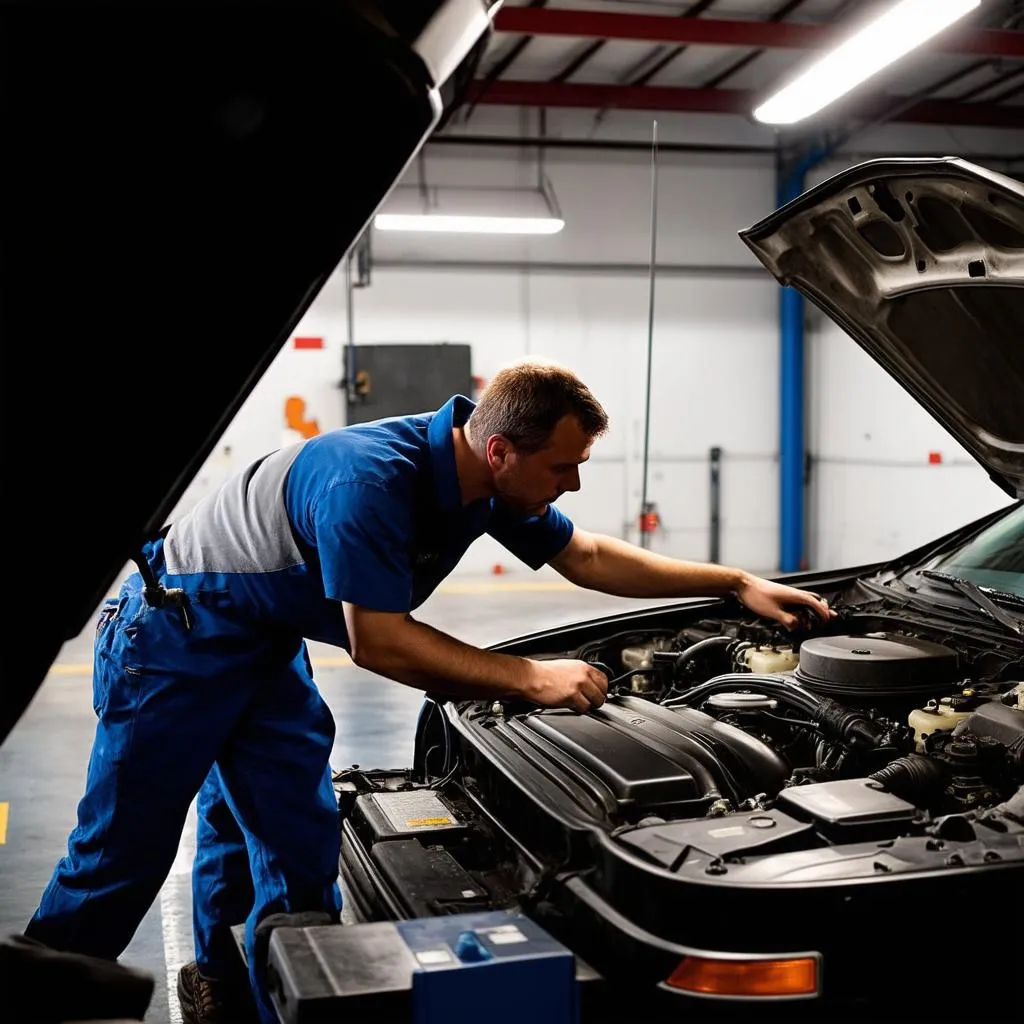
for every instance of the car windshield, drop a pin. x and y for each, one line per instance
(994, 558)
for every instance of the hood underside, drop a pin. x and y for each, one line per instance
(921, 261)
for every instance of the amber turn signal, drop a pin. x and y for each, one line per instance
(793, 977)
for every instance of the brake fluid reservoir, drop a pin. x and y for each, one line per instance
(770, 659)
(940, 717)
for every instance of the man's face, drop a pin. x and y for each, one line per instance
(529, 482)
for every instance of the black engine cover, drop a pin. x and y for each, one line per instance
(654, 759)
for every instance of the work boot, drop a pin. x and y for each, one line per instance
(214, 1001)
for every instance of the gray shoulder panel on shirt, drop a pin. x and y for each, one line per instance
(242, 527)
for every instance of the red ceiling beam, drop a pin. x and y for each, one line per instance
(718, 101)
(766, 35)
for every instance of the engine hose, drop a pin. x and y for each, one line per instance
(909, 777)
(776, 685)
(852, 726)
(833, 717)
(707, 643)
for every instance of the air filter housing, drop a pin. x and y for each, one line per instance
(876, 665)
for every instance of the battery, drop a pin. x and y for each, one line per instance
(455, 969)
(417, 812)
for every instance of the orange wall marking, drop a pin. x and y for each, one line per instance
(295, 417)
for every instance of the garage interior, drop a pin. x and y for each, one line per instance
(745, 427)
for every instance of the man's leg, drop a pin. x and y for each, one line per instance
(222, 892)
(158, 734)
(215, 987)
(277, 776)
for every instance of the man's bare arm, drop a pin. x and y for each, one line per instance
(613, 566)
(398, 646)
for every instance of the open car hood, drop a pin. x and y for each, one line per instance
(182, 180)
(921, 261)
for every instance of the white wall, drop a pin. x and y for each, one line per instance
(715, 357)
(874, 492)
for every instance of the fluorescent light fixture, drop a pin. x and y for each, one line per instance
(472, 210)
(468, 225)
(902, 28)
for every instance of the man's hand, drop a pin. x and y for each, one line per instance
(567, 684)
(395, 645)
(772, 599)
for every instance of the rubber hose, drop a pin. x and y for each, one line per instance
(832, 716)
(780, 686)
(909, 777)
(702, 645)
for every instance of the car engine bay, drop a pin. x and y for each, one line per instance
(730, 749)
(867, 770)
(937, 724)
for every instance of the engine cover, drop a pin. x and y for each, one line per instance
(655, 759)
(876, 665)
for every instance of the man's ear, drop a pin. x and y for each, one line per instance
(498, 451)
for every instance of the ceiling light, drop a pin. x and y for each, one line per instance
(469, 225)
(899, 30)
(472, 210)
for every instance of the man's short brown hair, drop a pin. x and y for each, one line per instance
(524, 401)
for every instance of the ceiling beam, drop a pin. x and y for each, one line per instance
(657, 28)
(721, 101)
(991, 85)
(639, 76)
(779, 14)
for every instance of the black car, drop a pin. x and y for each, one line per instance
(827, 822)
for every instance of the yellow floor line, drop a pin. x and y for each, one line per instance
(3, 823)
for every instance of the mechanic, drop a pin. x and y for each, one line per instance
(203, 686)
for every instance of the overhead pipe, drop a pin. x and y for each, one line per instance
(792, 451)
(611, 145)
(708, 148)
(526, 266)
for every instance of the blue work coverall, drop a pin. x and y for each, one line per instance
(212, 695)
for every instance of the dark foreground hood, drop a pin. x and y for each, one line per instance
(180, 181)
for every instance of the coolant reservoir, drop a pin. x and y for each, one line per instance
(769, 659)
(936, 717)
(642, 655)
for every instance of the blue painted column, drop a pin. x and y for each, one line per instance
(791, 395)
(791, 408)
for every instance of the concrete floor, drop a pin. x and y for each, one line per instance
(43, 760)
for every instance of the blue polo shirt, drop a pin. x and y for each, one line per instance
(370, 514)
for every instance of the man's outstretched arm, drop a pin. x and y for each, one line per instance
(613, 566)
